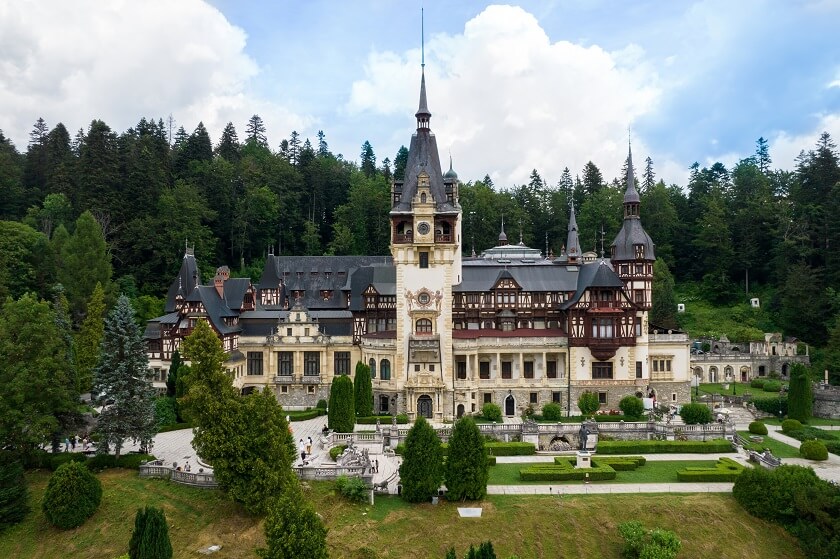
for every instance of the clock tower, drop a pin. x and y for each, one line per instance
(426, 248)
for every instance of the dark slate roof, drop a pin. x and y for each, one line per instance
(186, 280)
(383, 279)
(631, 196)
(235, 289)
(572, 240)
(542, 275)
(215, 307)
(594, 274)
(313, 274)
(632, 233)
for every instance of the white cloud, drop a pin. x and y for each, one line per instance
(785, 148)
(506, 100)
(121, 60)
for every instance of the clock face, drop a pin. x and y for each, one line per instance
(423, 228)
(424, 298)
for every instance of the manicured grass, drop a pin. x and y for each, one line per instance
(709, 525)
(741, 388)
(778, 448)
(813, 422)
(652, 472)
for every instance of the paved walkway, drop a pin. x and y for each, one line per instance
(595, 488)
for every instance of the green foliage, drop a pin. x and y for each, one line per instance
(813, 450)
(165, 411)
(85, 262)
(353, 488)
(665, 447)
(643, 544)
(89, 339)
(402, 419)
(772, 386)
(421, 472)
(491, 412)
(726, 470)
(336, 451)
(772, 405)
(466, 468)
(790, 425)
(150, 538)
(510, 448)
(341, 414)
(25, 257)
(13, 492)
(563, 469)
(693, 414)
(800, 396)
(757, 383)
(123, 377)
(293, 529)
(758, 428)
(321, 405)
(363, 390)
(588, 403)
(172, 375)
(663, 312)
(552, 412)
(73, 494)
(631, 406)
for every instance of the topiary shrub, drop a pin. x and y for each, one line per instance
(402, 418)
(791, 425)
(150, 539)
(336, 451)
(72, 496)
(353, 488)
(757, 383)
(322, 404)
(631, 406)
(491, 412)
(342, 411)
(758, 428)
(421, 472)
(588, 403)
(813, 450)
(694, 414)
(772, 386)
(552, 412)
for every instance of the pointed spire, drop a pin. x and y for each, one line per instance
(423, 115)
(631, 196)
(572, 240)
(502, 235)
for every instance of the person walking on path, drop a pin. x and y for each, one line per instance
(73, 443)
(308, 446)
(302, 448)
(66, 444)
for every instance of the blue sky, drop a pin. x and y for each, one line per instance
(535, 84)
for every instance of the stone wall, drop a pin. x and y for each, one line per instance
(827, 402)
(298, 396)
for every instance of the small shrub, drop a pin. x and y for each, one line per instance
(55, 461)
(132, 461)
(693, 414)
(101, 462)
(631, 406)
(772, 405)
(772, 386)
(336, 451)
(402, 418)
(353, 488)
(790, 425)
(150, 539)
(757, 383)
(588, 403)
(758, 428)
(552, 412)
(774, 375)
(72, 496)
(322, 404)
(491, 412)
(813, 450)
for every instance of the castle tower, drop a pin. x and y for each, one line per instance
(426, 248)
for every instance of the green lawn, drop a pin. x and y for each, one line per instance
(652, 472)
(709, 525)
(813, 422)
(741, 388)
(778, 448)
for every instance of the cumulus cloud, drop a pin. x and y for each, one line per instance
(122, 60)
(505, 99)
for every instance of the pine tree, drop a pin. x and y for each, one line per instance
(89, 338)
(363, 390)
(85, 262)
(400, 161)
(368, 160)
(466, 469)
(123, 376)
(229, 147)
(663, 312)
(421, 472)
(150, 539)
(255, 132)
(649, 178)
(800, 395)
(13, 491)
(762, 155)
(293, 529)
(294, 148)
(341, 416)
(323, 149)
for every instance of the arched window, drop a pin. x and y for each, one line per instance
(422, 197)
(423, 326)
(385, 369)
(372, 364)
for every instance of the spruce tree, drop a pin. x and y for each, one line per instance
(341, 415)
(13, 491)
(800, 395)
(123, 377)
(421, 472)
(89, 339)
(363, 389)
(663, 312)
(172, 377)
(150, 539)
(293, 529)
(466, 469)
(85, 262)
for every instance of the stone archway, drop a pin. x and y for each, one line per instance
(460, 411)
(424, 406)
(510, 405)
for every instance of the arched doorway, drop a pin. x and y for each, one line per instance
(424, 406)
(460, 411)
(510, 405)
(745, 374)
(785, 370)
(698, 372)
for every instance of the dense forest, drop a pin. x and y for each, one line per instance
(145, 193)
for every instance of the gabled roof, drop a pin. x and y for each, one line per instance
(594, 274)
(184, 283)
(383, 278)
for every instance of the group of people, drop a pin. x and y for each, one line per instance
(305, 448)
(71, 441)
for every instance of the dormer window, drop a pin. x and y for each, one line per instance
(640, 251)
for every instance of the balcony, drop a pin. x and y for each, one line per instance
(401, 239)
(443, 238)
(311, 379)
(284, 379)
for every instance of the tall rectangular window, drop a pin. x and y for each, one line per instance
(311, 363)
(342, 362)
(556, 397)
(602, 370)
(507, 369)
(255, 363)
(488, 397)
(529, 369)
(484, 370)
(532, 399)
(602, 397)
(638, 326)
(602, 328)
(461, 369)
(551, 369)
(285, 363)
(424, 259)
(638, 369)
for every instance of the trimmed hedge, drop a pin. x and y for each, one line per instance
(790, 425)
(383, 419)
(336, 450)
(772, 386)
(757, 383)
(832, 446)
(552, 412)
(758, 428)
(510, 449)
(621, 463)
(97, 462)
(725, 470)
(693, 414)
(564, 470)
(306, 414)
(664, 447)
(772, 405)
(813, 450)
(491, 460)
(174, 427)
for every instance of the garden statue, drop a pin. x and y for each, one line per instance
(584, 435)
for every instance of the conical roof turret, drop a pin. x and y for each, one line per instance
(423, 115)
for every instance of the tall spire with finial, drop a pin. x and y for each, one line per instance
(572, 240)
(423, 115)
(631, 196)
(502, 236)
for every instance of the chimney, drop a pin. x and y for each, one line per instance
(222, 274)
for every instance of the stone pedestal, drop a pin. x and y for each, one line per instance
(584, 459)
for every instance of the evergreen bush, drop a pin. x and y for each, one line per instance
(757, 383)
(800, 396)
(631, 406)
(466, 469)
(758, 428)
(552, 412)
(322, 404)
(588, 403)
(150, 539)
(363, 390)
(353, 488)
(336, 451)
(813, 450)
(13, 491)
(73, 494)
(165, 411)
(694, 414)
(791, 425)
(421, 472)
(491, 412)
(341, 415)
(772, 386)
(772, 405)
(293, 529)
